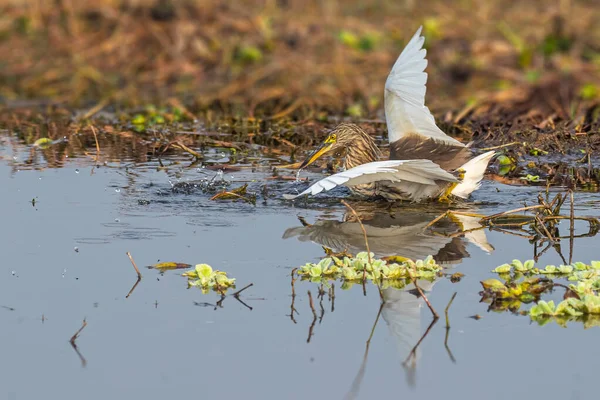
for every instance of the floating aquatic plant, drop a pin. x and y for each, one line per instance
(204, 277)
(525, 283)
(577, 271)
(352, 270)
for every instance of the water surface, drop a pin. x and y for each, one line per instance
(65, 260)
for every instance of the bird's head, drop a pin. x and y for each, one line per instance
(339, 139)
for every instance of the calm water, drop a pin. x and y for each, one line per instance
(64, 259)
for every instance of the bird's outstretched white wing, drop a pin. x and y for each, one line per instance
(423, 172)
(405, 110)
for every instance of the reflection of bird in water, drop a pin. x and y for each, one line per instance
(424, 163)
(403, 234)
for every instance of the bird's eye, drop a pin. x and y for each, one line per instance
(333, 137)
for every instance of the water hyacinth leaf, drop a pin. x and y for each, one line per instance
(579, 266)
(569, 307)
(358, 264)
(204, 270)
(316, 271)
(518, 265)
(565, 269)
(349, 273)
(528, 265)
(543, 308)
(364, 256)
(595, 264)
(502, 269)
(550, 269)
(204, 277)
(494, 285)
(591, 304)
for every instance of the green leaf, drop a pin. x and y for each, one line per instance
(349, 273)
(591, 304)
(579, 266)
(42, 143)
(529, 264)
(595, 264)
(542, 308)
(494, 285)
(204, 270)
(565, 269)
(550, 269)
(518, 265)
(570, 307)
(138, 119)
(325, 263)
(316, 271)
(364, 256)
(503, 269)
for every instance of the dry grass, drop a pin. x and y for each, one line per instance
(286, 57)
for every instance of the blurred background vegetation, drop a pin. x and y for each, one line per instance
(537, 59)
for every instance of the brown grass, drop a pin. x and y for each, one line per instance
(286, 57)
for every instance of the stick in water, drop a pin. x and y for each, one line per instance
(134, 266)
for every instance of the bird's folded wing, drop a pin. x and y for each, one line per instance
(424, 172)
(405, 109)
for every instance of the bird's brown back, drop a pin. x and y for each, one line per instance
(413, 147)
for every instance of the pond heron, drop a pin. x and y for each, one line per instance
(424, 163)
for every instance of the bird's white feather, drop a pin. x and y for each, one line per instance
(405, 88)
(418, 172)
(474, 169)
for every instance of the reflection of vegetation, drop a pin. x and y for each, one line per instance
(525, 283)
(363, 268)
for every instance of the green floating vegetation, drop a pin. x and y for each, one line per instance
(526, 282)
(509, 295)
(153, 117)
(353, 270)
(43, 143)
(366, 42)
(207, 279)
(578, 271)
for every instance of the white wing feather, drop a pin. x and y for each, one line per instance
(405, 110)
(424, 172)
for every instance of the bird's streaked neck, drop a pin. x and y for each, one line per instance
(362, 150)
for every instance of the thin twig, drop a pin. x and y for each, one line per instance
(413, 352)
(361, 371)
(96, 139)
(494, 216)
(366, 243)
(133, 287)
(500, 146)
(76, 335)
(435, 315)
(447, 308)
(332, 297)
(187, 150)
(134, 266)
(312, 305)
(546, 231)
(448, 347)
(314, 321)
(572, 227)
(236, 294)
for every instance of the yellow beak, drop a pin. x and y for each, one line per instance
(322, 149)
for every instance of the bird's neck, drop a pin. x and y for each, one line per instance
(363, 150)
